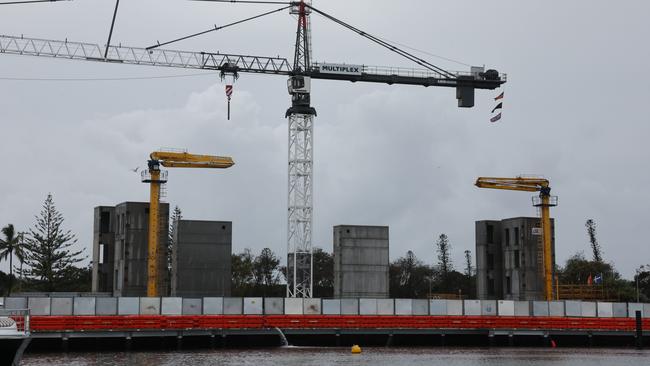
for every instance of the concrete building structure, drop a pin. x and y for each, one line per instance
(361, 262)
(120, 249)
(509, 259)
(201, 259)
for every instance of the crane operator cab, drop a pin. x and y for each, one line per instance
(299, 87)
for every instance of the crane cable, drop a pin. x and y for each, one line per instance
(30, 2)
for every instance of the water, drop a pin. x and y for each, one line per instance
(307, 356)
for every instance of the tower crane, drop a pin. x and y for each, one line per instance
(545, 201)
(300, 114)
(156, 177)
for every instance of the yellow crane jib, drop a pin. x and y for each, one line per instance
(156, 177)
(545, 201)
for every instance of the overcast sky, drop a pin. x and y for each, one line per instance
(575, 111)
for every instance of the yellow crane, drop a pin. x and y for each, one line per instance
(155, 177)
(545, 201)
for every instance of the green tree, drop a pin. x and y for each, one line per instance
(177, 215)
(48, 251)
(409, 277)
(10, 246)
(443, 248)
(323, 274)
(595, 247)
(242, 272)
(265, 268)
(469, 270)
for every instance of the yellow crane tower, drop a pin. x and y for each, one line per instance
(545, 201)
(155, 177)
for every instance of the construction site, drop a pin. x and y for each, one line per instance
(163, 280)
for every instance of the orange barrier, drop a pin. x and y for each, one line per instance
(161, 322)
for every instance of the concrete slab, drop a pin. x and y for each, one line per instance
(233, 306)
(619, 309)
(488, 307)
(540, 308)
(368, 306)
(39, 305)
(18, 303)
(472, 307)
(212, 305)
(454, 307)
(385, 307)
(605, 310)
(331, 307)
(61, 306)
(253, 306)
(293, 306)
(403, 307)
(556, 308)
(573, 309)
(588, 309)
(633, 307)
(192, 306)
(522, 308)
(84, 305)
(149, 306)
(349, 306)
(438, 307)
(106, 306)
(311, 307)
(128, 306)
(274, 306)
(171, 306)
(506, 308)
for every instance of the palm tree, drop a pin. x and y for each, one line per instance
(7, 247)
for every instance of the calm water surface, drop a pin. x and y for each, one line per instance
(341, 356)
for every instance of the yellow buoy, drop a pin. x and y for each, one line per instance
(356, 349)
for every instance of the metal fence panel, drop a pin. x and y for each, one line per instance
(171, 306)
(368, 306)
(149, 306)
(312, 307)
(84, 306)
(192, 306)
(106, 306)
(420, 307)
(128, 306)
(605, 310)
(506, 308)
(212, 305)
(455, 307)
(588, 309)
(15, 303)
(61, 306)
(438, 307)
(620, 310)
(293, 306)
(331, 307)
(573, 308)
(274, 306)
(385, 307)
(522, 308)
(489, 307)
(349, 306)
(233, 306)
(403, 307)
(472, 307)
(39, 305)
(556, 308)
(253, 306)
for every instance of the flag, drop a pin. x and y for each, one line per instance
(495, 118)
(589, 280)
(499, 106)
(598, 279)
(499, 97)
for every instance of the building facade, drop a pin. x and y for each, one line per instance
(361, 262)
(120, 249)
(201, 259)
(510, 259)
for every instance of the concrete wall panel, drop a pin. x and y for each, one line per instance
(171, 306)
(192, 306)
(253, 306)
(420, 307)
(438, 307)
(540, 308)
(522, 308)
(556, 308)
(84, 306)
(385, 307)
(573, 308)
(15, 303)
(61, 306)
(488, 307)
(472, 307)
(619, 309)
(605, 309)
(403, 307)
(455, 307)
(149, 306)
(331, 307)
(233, 306)
(312, 307)
(349, 306)
(212, 305)
(293, 306)
(106, 306)
(274, 306)
(368, 306)
(506, 308)
(588, 309)
(39, 305)
(128, 306)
